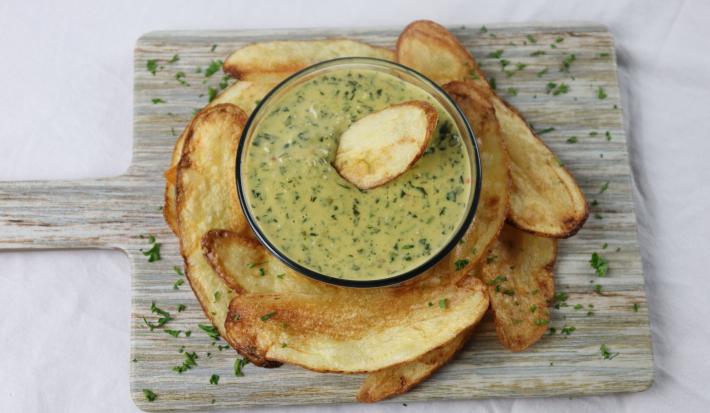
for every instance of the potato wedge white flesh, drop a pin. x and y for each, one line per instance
(355, 330)
(244, 94)
(206, 195)
(495, 165)
(399, 379)
(290, 56)
(545, 199)
(383, 145)
(519, 274)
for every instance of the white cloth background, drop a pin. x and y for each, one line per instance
(66, 111)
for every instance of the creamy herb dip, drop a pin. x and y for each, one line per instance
(321, 221)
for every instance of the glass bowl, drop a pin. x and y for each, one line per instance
(404, 73)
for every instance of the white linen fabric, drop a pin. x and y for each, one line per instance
(66, 82)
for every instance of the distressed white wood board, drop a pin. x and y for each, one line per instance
(116, 212)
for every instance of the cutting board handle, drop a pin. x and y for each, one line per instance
(93, 213)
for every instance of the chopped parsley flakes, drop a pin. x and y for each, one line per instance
(606, 354)
(164, 319)
(188, 363)
(153, 253)
(442, 303)
(461, 264)
(556, 89)
(214, 379)
(600, 265)
(601, 94)
(568, 330)
(149, 395)
(567, 62)
(152, 66)
(560, 299)
(213, 67)
(267, 316)
(178, 283)
(157, 101)
(210, 330)
(211, 93)
(239, 365)
(496, 55)
(604, 187)
(572, 139)
(180, 77)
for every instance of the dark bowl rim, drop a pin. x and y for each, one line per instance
(382, 282)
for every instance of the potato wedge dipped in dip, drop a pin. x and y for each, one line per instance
(312, 215)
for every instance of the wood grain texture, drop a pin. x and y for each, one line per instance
(116, 212)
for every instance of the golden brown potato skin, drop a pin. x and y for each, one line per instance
(495, 189)
(545, 199)
(245, 95)
(519, 274)
(278, 59)
(206, 196)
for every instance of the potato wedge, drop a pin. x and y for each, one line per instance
(383, 145)
(399, 379)
(206, 198)
(292, 55)
(545, 199)
(493, 204)
(519, 274)
(244, 94)
(356, 330)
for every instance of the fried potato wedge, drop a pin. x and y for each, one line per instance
(292, 55)
(519, 274)
(545, 199)
(474, 101)
(244, 94)
(383, 145)
(399, 379)
(356, 330)
(206, 198)
(432, 50)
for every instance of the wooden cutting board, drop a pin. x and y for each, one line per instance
(119, 212)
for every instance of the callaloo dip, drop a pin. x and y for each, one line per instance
(324, 223)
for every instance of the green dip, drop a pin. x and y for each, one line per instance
(323, 222)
